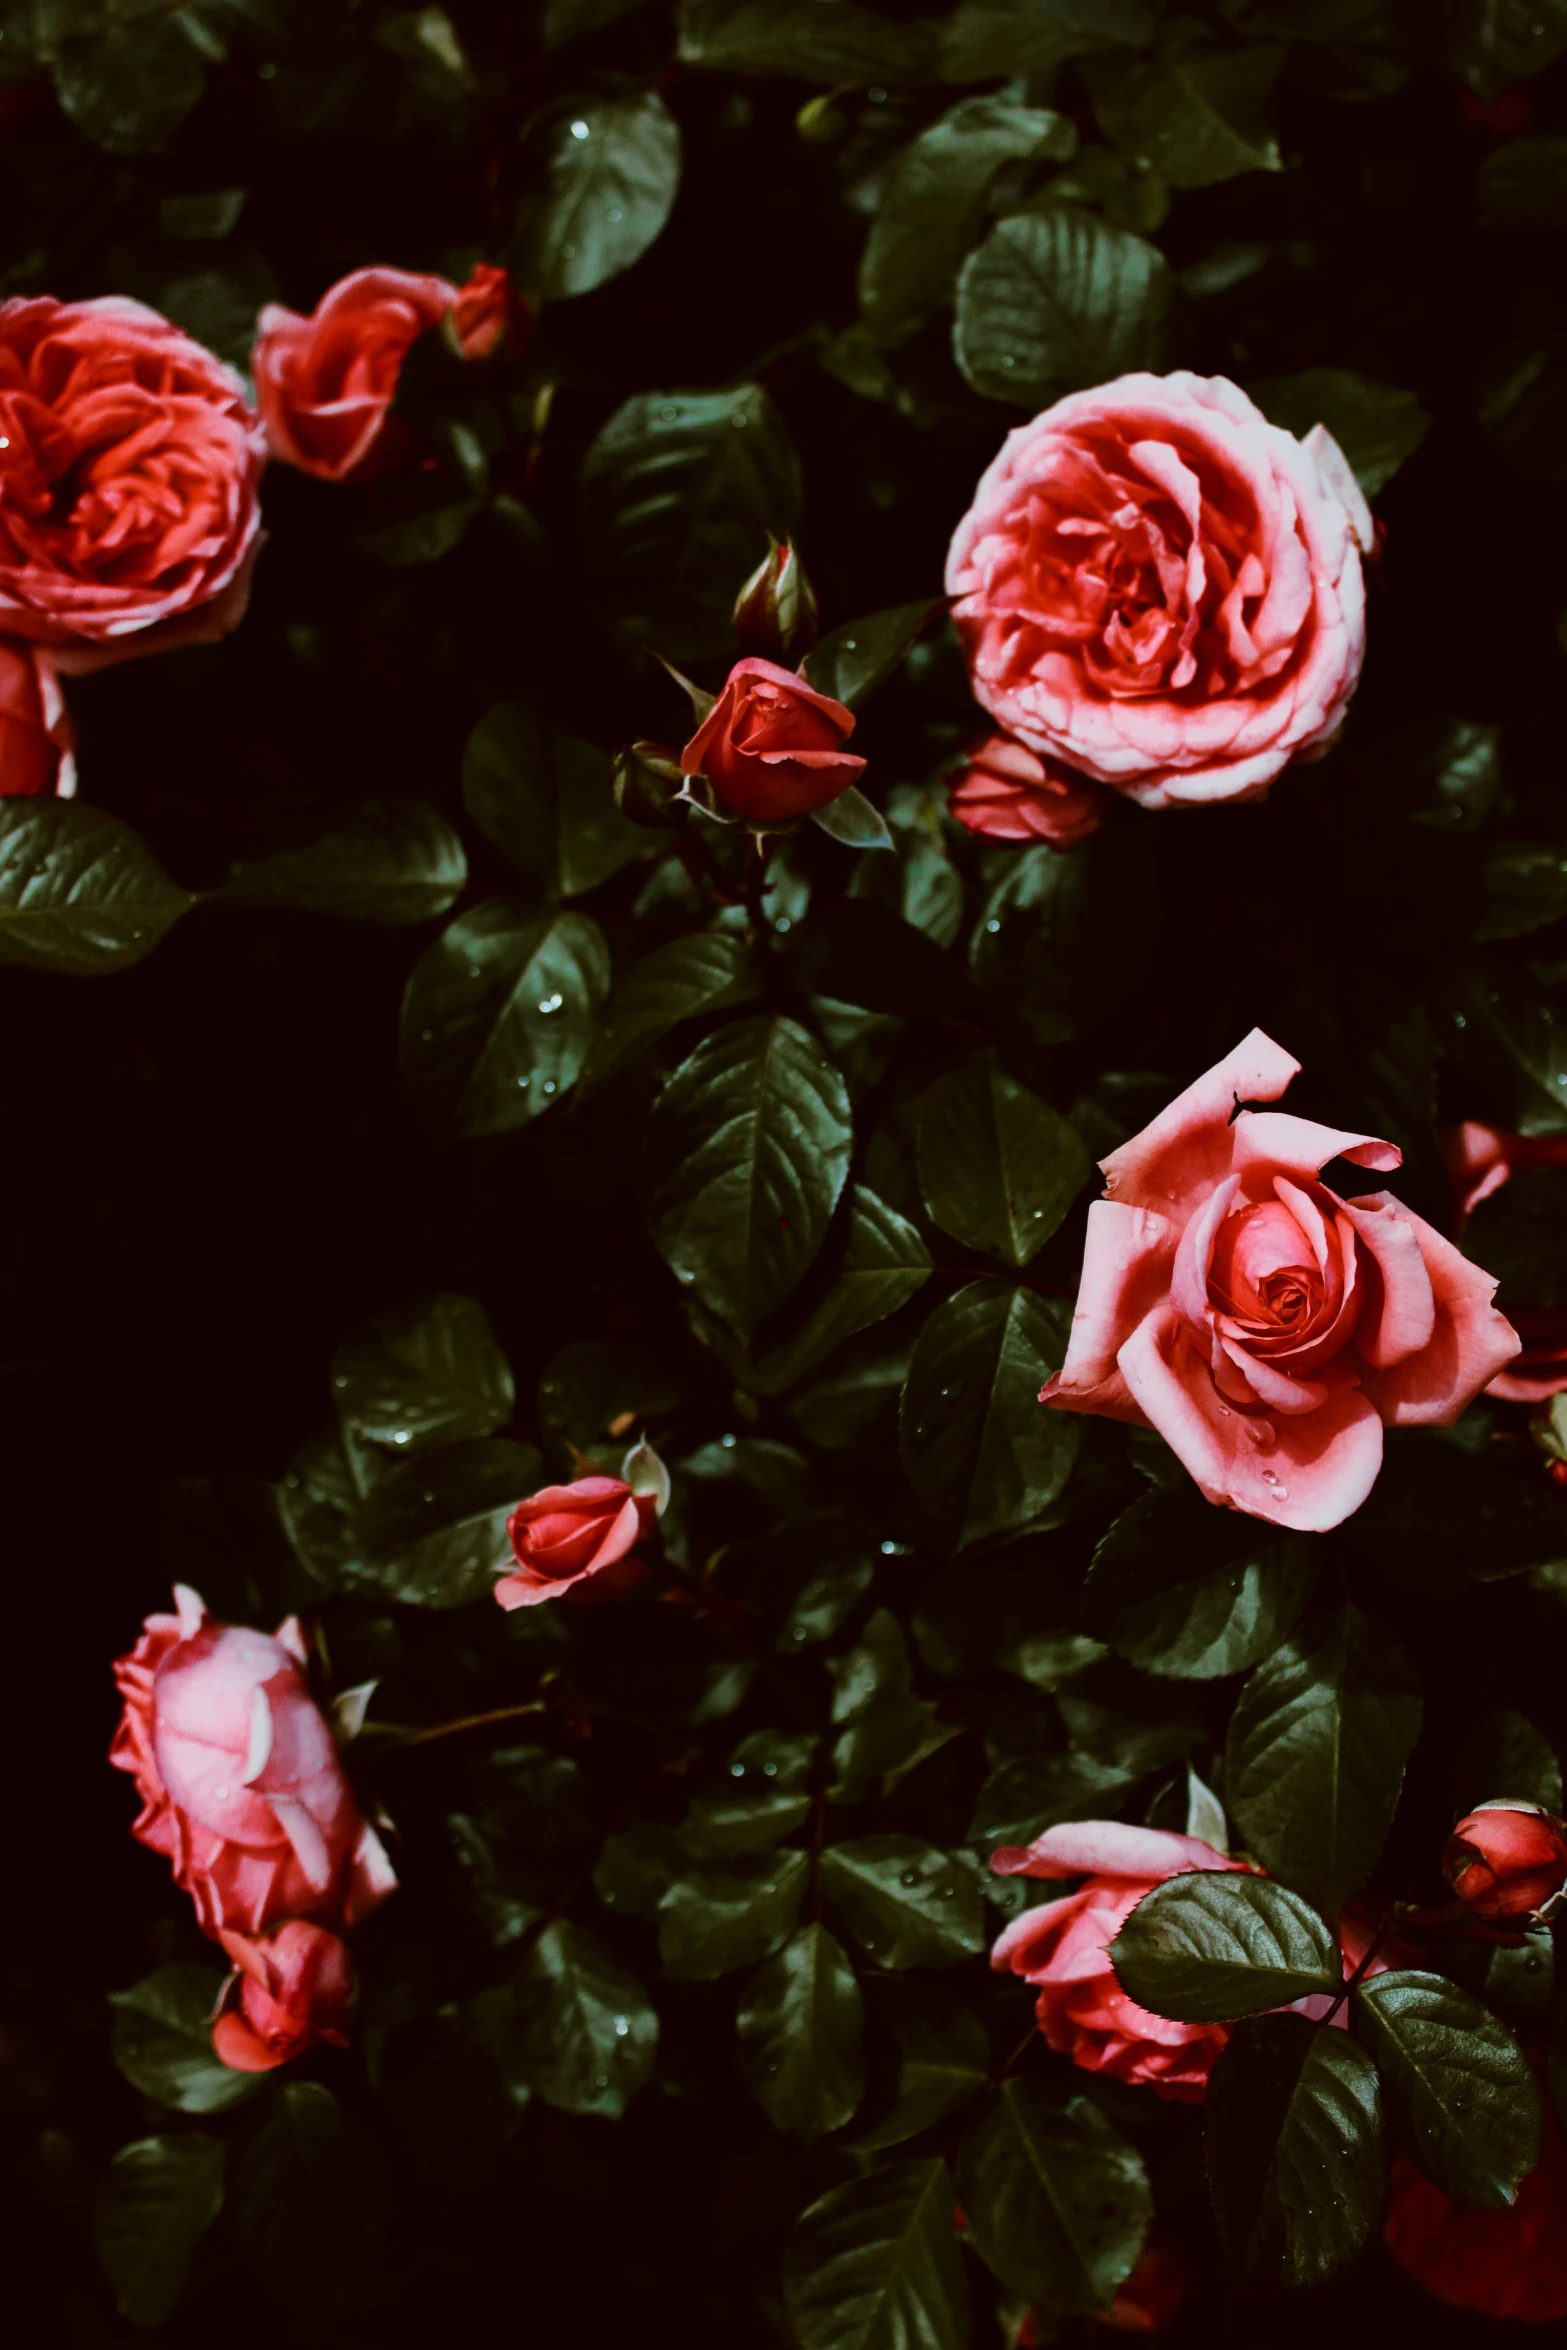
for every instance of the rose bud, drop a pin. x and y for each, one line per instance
(570, 1537)
(36, 739)
(770, 745)
(289, 1990)
(325, 384)
(775, 611)
(239, 1776)
(645, 781)
(1007, 792)
(1505, 1860)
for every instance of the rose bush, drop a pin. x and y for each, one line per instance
(1267, 1328)
(1160, 588)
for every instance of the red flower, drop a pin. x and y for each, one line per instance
(36, 739)
(1510, 2263)
(293, 1989)
(770, 745)
(1506, 1860)
(569, 1536)
(1007, 792)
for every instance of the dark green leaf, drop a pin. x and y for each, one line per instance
(157, 2202)
(907, 1902)
(679, 492)
(414, 518)
(498, 1016)
(1521, 392)
(1056, 2199)
(882, 1726)
(854, 821)
(390, 861)
(308, 2200)
(998, 1168)
(1180, 1588)
(987, 38)
(423, 1374)
(163, 2041)
(1523, 886)
(1503, 1757)
(613, 168)
(510, 780)
(745, 1155)
(1057, 299)
(1195, 115)
(1494, 42)
(1317, 1746)
(584, 2034)
(1033, 1792)
(595, 1389)
(983, 1453)
(1374, 424)
(320, 1502)
(884, 1263)
(1209, 1947)
(812, 40)
(127, 79)
(1439, 1517)
(80, 892)
(1461, 2089)
(679, 981)
(799, 2025)
(435, 1529)
(946, 2059)
(715, 1920)
(720, 1827)
(1297, 2160)
(1064, 934)
(875, 2265)
(868, 955)
(1523, 184)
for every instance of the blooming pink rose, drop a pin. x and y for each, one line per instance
(1162, 589)
(569, 1536)
(239, 1776)
(1506, 1860)
(37, 743)
(289, 1990)
(1510, 2263)
(1266, 1328)
(325, 384)
(1007, 793)
(770, 745)
(129, 469)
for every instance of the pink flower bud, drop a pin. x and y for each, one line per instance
(1506, 1860)
(567, 1537)
(289, 1990)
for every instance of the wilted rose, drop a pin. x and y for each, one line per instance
(289, 1990)
(1505, 1860)
(770, 745)
(239, 1776)
(568, 1537)
(1007, 792)
(1265, 1327)
(1162, 589)
(129, 468)
(37, 754)
(325, 384)
(1509, 2263)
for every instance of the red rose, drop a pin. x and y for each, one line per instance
(569, 1536)
(325, 384)
(289, 1990)
(1506, 1859)
(36, 739)
(239, 1776)
(1007, 792)
(129, 469)
(769, 745)
(1510, 2263)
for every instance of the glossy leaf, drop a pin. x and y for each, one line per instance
(80, 892)
(717, 1919)
(613, 168)
(163, 2041)
(874, 2265)
(745, 1155)
(945, 2059)
(1056, 2200)
(1208, 1947)
(584, 2034)
(884, 1264)
(157, 2201)
(388, 862)
(853, 821)
(423, 1374)
(308, 2202)
(498, 1016)
(1316, 1752)
(1180, 1588)
(682, 980)
(814, 40)
(435, 1529)
(998, 1168)
(982, 1452)
(800, 2025)
(1196, 115)
(1057, 299)
(1033, 1792)
(1296, 2150)
(906, 1901)
(543, 797)
(850, 662)
(1461, 2089)
(1504, 1756)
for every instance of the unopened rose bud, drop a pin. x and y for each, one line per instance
(775, 611)
(1506, 1859)
(771, 746)
(645, 781)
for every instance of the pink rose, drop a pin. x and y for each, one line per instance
(129, 470)
(37, 743)
(1162, 589)
(239, 1776)
(288, 1991)
(1007, 793)
(1506, 1860)
(568, 1537)
(1508, 2264)
(770, 745)
(1266, 1328)
(325, 384)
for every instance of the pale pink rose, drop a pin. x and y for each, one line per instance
(1007, 792)
(1266, 1328)
(1163, 590)
(239, 1776)
(288, 1990)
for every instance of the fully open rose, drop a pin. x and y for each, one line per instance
(239, 1776)
(129, 468)
(1265, 1327)
(1160, 588)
